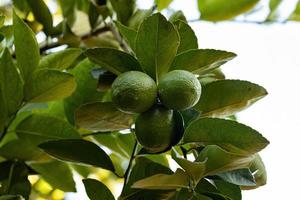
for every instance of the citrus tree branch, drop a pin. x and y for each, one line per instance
(130, 162)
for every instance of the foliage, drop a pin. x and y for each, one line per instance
(57, 118)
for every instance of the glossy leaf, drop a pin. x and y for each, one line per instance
(259, 171)
(113, 60)
(218, 160)
(195, 170)
(188, 38)
(164, 181)
(27, 48)
(143, 168)
(229, 190)
(53, 171)
(128, 34)
(38, 128)
(162, 4)
(226, 97)
(11, 84)
(60, 60)
(102, 117)
(227, 134)
(78, 151)
(242, 177)
(86, 90)
(123, 8)
(97, 190)
(218, 10)
(201, 61)
(156, 45)
(41, 14)
(49, 85)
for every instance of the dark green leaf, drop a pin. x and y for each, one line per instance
(102, 117)
(11, 197)
(201, 61)
(128, 34)
(97, 190)
(53, 172)
(49, 85)
(79, 151)
(27, 48)
(41, 14)
(113, 60)
(105, 79)
(178, 15)
(226, 97)
(156, 45)
(2, 20)
(227, 134)
(186, 194)
(124, 9)
(3, 114)
(242, 177)
(21, 6)
(60, 60)
(11, 83)
(164, 181)
(39, 128)
(13, 179)
(162, 4)
(86, 90)
(189, 116)
(218, 160)
(138, 17)
(143, 168)
(218, 10)
(229, 190)
(260, 174)
(188, 38)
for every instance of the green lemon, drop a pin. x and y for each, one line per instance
(134, 92)
(179, 90)
(158, 129)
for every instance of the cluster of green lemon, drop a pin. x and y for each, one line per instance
(158, 126)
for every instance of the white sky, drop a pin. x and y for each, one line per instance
(268, 55)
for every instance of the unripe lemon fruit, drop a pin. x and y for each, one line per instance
(159, 128)
(134, 92)
(179, 90)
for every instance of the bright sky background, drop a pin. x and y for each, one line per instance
(267, 55)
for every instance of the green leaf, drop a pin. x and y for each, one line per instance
(78, 151)
(227, 134)
(219, 160)
(156, 45)
(218, 10)
(164, 181)
(2, 20)
(49, 85)
(11, 197)
(295, 16)
(143, 168)
(273, 6)
(189, 116)
(113, 60)
(259, 171)
(226, 97)
(186, 194)
(138, 17)
(128, 34)
(178, 15)
(3, 114)
(119, 143)
(229, 190)
(195, 170)
(242, 177)
(53, 171)
(38, 128)
(102, 117)
(124, 9)
(201, 61)
(13, 178)
(11, 83)
(27, 48)
(60, 60)
(188, 38)
(41, 14)
(97, 190)
(162, 4)
(86, 90)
